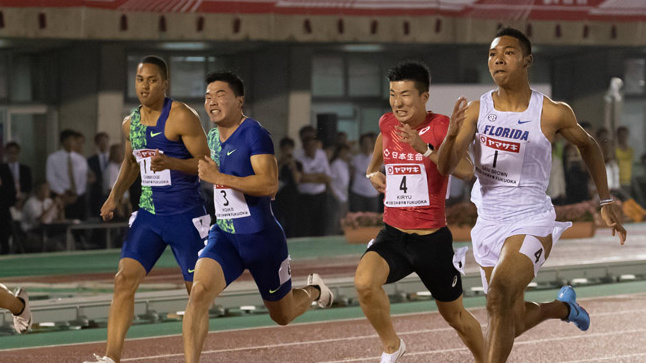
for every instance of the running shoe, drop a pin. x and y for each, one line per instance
(22, 321)
(393, 357)
(326, 298)
(100, 360)
(577, 314)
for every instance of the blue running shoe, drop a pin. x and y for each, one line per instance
(577, 314)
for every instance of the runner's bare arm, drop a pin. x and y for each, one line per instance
(462, 129)
(185, 123)
(464, 169)
(264, 182)
(561, 118)
(127, 175)
(378, 180)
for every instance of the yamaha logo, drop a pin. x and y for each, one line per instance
(492, 117)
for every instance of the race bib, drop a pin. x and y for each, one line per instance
(406, 186)
(229, 203)
(149, 177)
(498, 161)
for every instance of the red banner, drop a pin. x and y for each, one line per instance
(568, 10)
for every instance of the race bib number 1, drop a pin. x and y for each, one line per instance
(406, 186)
(498, 161)
(149, 177)
(229, 203)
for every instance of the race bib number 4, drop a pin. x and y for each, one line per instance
(406, 186)
(498, 161)
(229, 203)
(149, 177)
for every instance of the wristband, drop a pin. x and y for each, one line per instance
(370, 175)
(606, 202)
(428, 151)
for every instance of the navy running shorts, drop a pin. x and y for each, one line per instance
(149, 234)
(263, 253)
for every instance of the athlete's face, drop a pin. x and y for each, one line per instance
(506, 60)
(221, 104)
(150, 84)
(407, 103)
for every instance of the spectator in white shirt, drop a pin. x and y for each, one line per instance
(41, 209)
(313, 186)
(60, 166)
(340, 185)
(363, 197)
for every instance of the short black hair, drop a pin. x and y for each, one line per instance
(232, 79)
(287, 141)
(525, 44)
(619, 129)
(12, 144)
(66, 134)
(158, 61)
(411, 70)
(100, 135)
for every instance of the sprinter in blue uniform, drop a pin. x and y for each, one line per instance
(244, 174)
(164, 141)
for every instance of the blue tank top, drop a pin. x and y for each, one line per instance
(183, 192)
(234, 158)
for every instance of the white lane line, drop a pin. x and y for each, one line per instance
(612, 358)
(526, 342)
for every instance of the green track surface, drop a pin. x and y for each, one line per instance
(82, 262)
(261, 320)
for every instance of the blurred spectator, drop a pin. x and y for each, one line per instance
(67, 175)
(316, 176)
(7, 199)
(79, 144)
(97, 164)
(556, 186)
(41, 209)
(625, 158)
(340, 184)
(290, 172)
(363, 196)
(577, 177)
(342, 138)
(20, 173)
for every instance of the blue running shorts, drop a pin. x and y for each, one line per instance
(149, 234)
(263, 253)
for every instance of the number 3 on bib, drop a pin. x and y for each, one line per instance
(229, 203)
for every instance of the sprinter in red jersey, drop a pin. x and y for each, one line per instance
(415, 238)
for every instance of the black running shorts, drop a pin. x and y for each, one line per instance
(429, 256)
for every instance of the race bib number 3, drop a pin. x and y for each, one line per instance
(406, 186)
(149, 177)
(229, 203)
(499, 161)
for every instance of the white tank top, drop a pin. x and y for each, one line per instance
(513, 159)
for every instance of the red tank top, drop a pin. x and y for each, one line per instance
(404, 173)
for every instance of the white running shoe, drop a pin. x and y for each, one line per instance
(22, 321)
(326, 297)
(393, 357)
(100, 360)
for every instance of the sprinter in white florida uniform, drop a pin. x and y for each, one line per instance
(511, 129)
